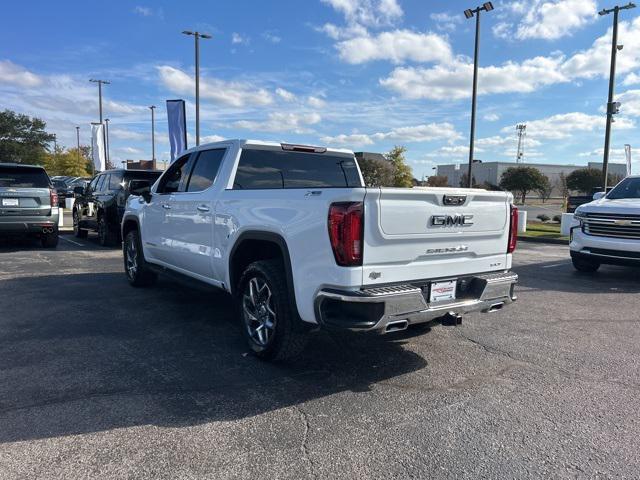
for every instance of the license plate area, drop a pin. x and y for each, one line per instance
(10, 202)
(443, 291)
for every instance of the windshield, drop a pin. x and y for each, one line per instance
(59, 183)
(628, 188)
(23, 177)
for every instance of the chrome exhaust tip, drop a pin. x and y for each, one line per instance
(396, 326)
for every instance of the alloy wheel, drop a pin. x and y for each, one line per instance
(258, 312)
(132, 258)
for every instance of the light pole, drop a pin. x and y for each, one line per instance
(106, 140)
(612, 107)
(153, 136)
(197, 36)
(100, 83)
(78, 142)
(487, 7)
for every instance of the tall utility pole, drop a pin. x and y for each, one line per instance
(100, 83)
(521, 128)
(153, 136)
(487, 7)
(106, 140)
(612, 108)
(78, 140)
(197, 36)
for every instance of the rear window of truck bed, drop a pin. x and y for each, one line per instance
(272, 169)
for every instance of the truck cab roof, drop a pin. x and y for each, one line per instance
(267, 144)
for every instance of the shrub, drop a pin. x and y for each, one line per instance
(557, 218)
(543, 218)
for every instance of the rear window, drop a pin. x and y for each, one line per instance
(23, 177)
(269, 169)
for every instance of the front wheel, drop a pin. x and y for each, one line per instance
(266, 313)
(77, 231)
(135, 266)
(106, 236)
(586, 266)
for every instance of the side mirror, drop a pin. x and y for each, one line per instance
(598, 195)
(78, 191)
(141, 188)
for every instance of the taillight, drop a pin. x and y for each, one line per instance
(513, 230)
(345, 232)
(53, 197)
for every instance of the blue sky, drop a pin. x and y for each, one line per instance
(361, 74)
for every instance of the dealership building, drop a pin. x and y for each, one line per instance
(490, 172)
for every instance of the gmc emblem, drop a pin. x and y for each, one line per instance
(457, 220)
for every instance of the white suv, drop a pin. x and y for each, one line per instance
(608, 230)
(292, 233)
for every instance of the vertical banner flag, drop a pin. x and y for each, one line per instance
(177, 127)
(97, 147)
(627, 153)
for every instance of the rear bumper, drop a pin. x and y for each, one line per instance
(23, 225)
(381, 307)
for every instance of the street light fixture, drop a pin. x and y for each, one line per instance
(153, 136)
(487, 7)
(612, 107)
(197, 36)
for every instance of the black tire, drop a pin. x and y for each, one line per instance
(49, 240)
(138, 272)
(585, 266)
(106, 236)
(77, 231)
(284, 340)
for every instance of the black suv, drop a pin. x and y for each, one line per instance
(100, 205)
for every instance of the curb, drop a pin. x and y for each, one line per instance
(552, 241)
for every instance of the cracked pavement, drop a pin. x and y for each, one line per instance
(100, 380)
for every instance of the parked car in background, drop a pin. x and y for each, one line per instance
(293, 234)
(609, 228)
(74, 182)
(61, 189)
(28, 203)
(99, 206)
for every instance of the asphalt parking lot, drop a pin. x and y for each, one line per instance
(100, 380)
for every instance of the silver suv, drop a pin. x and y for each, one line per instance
(28, 203)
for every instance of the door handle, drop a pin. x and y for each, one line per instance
(203, 208)
(166, 206)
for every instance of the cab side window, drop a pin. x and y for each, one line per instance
(174, 178)
(92, 185)
(205, 170)
(99, 184)
(115, 182)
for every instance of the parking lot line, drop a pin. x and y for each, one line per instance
(71, 241)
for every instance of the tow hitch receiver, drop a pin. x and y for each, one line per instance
(452, 319)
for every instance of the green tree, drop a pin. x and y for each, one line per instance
(67, 162)
(522, 180)
(376, 173)
(22, 139)
(464, 181)
(585, 180)
(438, 181)
(545, 189)
(402, 175)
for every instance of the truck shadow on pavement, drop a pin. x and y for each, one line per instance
(86, 353)
(560, 276)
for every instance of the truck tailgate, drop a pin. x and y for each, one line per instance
(424, 233)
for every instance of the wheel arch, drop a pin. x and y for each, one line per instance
(129, 223)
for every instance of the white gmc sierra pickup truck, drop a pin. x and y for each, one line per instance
(292, 233)
(608, 229)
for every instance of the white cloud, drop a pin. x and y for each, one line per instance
(446, 21)
(491, 117)
(18, 75)
(630, 103)
(211, 138)
(396, 46)
(547, 19)
(144, 11)
(564, 125)
(631, 79)
(370, 13)
(235, 94)
(282, 122)
(285, 94)
(316, 102)
(615, 154)
(416, 133)
(236, 38)
(271, 36)
(124, 134)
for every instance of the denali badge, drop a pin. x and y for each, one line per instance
(457, 220)
(458, 249)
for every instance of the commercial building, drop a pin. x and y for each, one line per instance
(490, 172)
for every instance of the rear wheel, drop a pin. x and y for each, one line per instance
(583, 265)
(106, 236)
(49, 240)
(135, 266)
(77, 231)
(266, 313)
